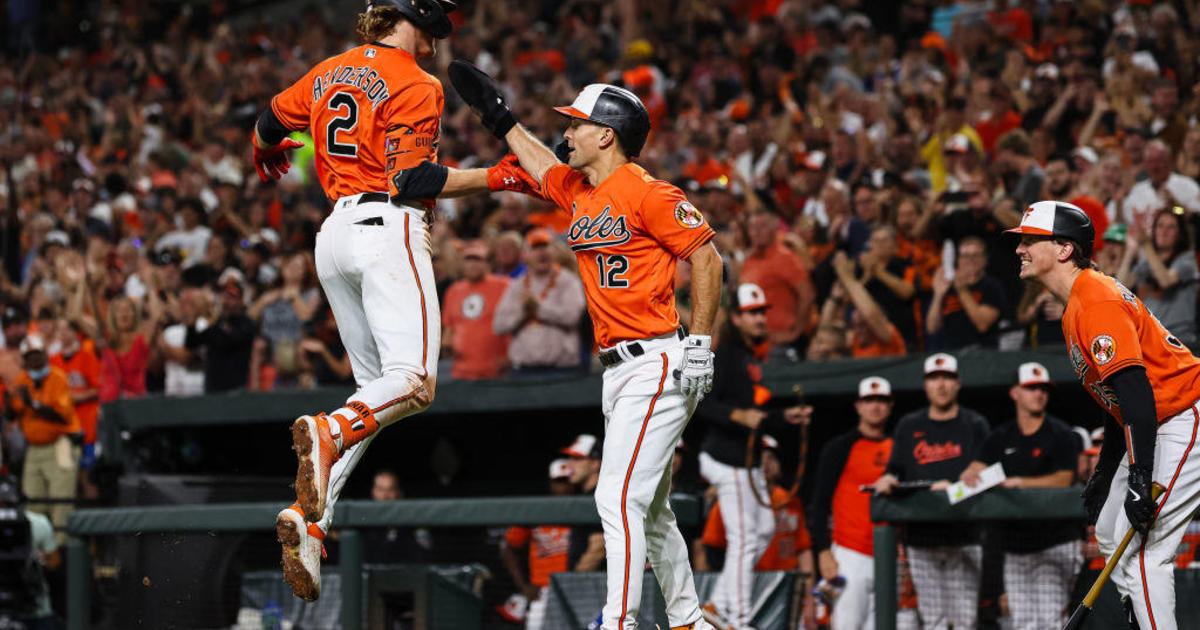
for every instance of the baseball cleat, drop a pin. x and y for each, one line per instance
(699, 624)
(710, 615)
(302, 552)
(316, 451)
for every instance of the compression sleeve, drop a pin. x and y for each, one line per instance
(270, 128)
(1136, 399)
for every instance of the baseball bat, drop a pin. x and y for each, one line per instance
(1085, 607)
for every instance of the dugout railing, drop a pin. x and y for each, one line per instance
(351, 516)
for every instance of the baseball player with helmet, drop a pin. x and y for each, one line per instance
(1148, 382)
(372, 112)
(627, 231)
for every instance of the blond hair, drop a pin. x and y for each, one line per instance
(377, 23)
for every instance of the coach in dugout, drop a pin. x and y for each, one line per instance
(839, 514)
(730, 412)
(1036, 450)
(937, 444)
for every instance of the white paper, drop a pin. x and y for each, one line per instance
(989, 477)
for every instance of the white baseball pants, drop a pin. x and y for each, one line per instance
(1039, 584)
(947, 583)
(374, 263)
(645, 413)
(855, 607)
(1146, 572)
(749, 527)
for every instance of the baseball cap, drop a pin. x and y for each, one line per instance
(1033, 373)
(769, 442)
(750, 297)
(514, 608)
(1115, 233)
(538, 236)
(15, 314)
(583, 446)
(33, 343)
(813, 160)
(1058, 218)
(56, 237)
(83, 183)
(1088, 154)
(560, 468)
(874, 387)
(941, 363)
(475, 249)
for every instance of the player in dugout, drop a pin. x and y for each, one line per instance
(1149, 383)
(839, 513)
(936, 444)
(733, 410)
(1036, 450)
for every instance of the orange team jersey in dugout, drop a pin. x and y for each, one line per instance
(372, 111)
(851, 507)
(548, 546)
(627, 234)
(1107, 329)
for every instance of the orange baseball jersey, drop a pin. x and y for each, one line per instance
(627, 234)
(790, 537)
(547, 550)
(372, 111)
(1107, 328)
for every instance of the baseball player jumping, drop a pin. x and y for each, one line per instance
(372, 112)
(1149, 383)
(627, 231)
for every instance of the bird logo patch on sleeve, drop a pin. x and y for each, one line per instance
(1103, 349)
(687, 215)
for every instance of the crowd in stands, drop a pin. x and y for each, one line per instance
(859, 161)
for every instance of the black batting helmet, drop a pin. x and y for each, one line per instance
(613, 107)
(1059, 219)
(427, 15)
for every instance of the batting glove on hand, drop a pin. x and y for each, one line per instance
(696, 377)
(273, 162)
(1095, 493)
(507, 174)
(480, 92)
(1139, 502)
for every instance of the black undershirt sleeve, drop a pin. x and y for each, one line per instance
(1136, 399)
(270, 128)
(830, 466)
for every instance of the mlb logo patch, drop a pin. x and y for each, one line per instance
(370, 53)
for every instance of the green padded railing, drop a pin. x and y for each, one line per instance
(350, 515)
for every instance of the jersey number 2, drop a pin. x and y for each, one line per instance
(612, 271)
(347, 121)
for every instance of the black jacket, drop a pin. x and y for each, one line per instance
(736, 371)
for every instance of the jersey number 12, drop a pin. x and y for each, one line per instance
(612, 271)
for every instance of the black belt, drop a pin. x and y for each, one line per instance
(609, 358)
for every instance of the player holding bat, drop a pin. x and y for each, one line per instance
(1148, 382)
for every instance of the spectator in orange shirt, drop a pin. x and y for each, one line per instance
(704, 166)
(467, 315)
(40, 397)
(77, 359)
(547, 545)
(783, 277)
(871, 334)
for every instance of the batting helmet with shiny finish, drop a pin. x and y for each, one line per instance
(613, 107)
(427, 15)
(1058, 219)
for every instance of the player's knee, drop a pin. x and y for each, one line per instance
(423, 394)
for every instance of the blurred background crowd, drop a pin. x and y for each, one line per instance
(859, 160)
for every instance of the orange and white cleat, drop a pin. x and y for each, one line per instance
(317, 451)
(699, 624)
(711, 616)
(303, 548)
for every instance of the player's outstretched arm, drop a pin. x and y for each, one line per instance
(479, 91)
(428, 180)
(271, 146)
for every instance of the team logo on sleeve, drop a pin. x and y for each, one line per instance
(687, 215)
(1103, 349)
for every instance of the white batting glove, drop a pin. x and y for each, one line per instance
(696, 377)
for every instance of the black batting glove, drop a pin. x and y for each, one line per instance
(1139, 503)
(480, 92)
(1095, 493)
